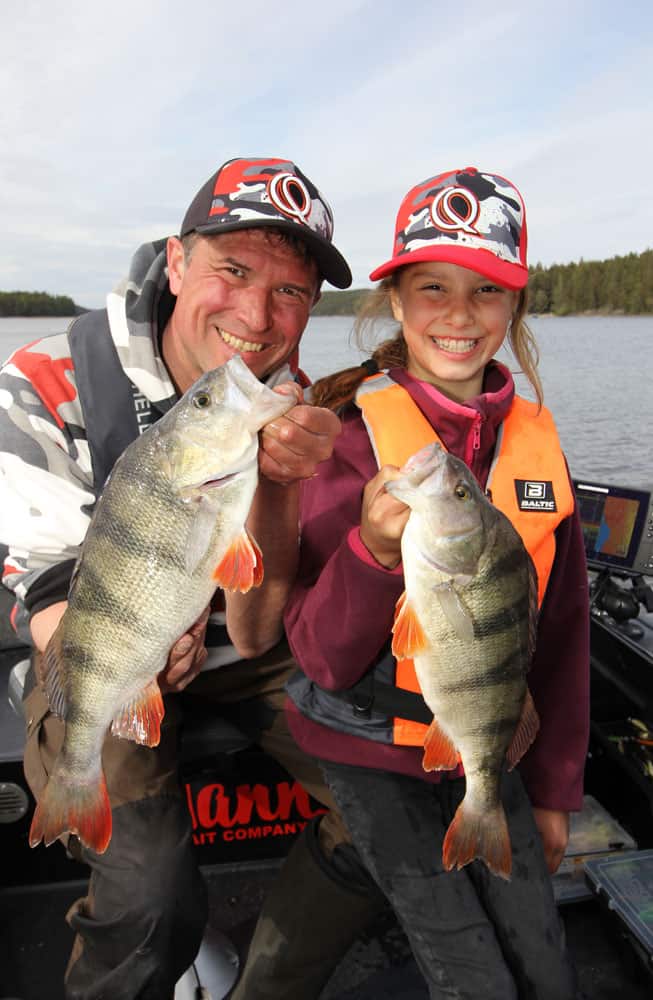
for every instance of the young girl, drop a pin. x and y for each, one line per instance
(456, 284)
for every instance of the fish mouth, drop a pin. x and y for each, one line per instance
(240, 345)
(456, 345)
(241, 467)
(198, 490)
(216, 484)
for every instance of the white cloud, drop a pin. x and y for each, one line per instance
(113, 116)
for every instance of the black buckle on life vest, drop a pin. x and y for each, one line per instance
(362, 696)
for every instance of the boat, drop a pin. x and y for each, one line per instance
(246, 812)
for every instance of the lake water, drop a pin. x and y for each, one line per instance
(597, 374)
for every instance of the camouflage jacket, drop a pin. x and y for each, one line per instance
(47, 489)
(47, 485)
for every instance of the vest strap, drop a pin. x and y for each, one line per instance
(106, 394)
(374, 695)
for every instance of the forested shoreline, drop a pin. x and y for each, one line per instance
(619, 286)
(37, 304)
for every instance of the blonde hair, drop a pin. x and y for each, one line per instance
(335, 391)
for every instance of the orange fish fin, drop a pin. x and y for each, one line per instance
(82, 809)
(241, 567)
(140, 719)
(51, 674)
(440, 753)
(481, 835)
(525, 733)
(408, 636)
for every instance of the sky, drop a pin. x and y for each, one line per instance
(113, 115)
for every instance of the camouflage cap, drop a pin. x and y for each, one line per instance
(463, 217)
(247, 193)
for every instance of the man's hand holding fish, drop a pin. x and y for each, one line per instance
(187, 656)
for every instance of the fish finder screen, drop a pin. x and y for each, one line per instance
(612, 519)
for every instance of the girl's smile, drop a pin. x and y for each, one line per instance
(454, 346)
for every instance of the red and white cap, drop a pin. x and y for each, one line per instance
(464, 217)
(249, 193)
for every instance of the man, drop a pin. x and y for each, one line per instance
(241, 278)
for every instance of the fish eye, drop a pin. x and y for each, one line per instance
(201, 400)
(462, 491)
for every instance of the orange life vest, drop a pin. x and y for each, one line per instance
(528, 482)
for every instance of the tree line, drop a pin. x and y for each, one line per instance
(37, 304)
(340, 303)
(622, 285)
(618, 285)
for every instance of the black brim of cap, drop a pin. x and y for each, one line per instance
(331, 264)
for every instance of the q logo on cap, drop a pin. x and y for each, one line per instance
(447, 214)
(290, 195)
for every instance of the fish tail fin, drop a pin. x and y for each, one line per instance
(241, 567)
(82, 809)
(474, 834)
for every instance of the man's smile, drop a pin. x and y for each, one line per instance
(237, 343)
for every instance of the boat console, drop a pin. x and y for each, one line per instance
(617, 525)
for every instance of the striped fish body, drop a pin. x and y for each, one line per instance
(468, 619)
(168, 529)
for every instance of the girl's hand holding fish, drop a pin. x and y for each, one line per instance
(383, 519)
(187, 657)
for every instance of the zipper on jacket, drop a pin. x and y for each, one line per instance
(475, 436)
